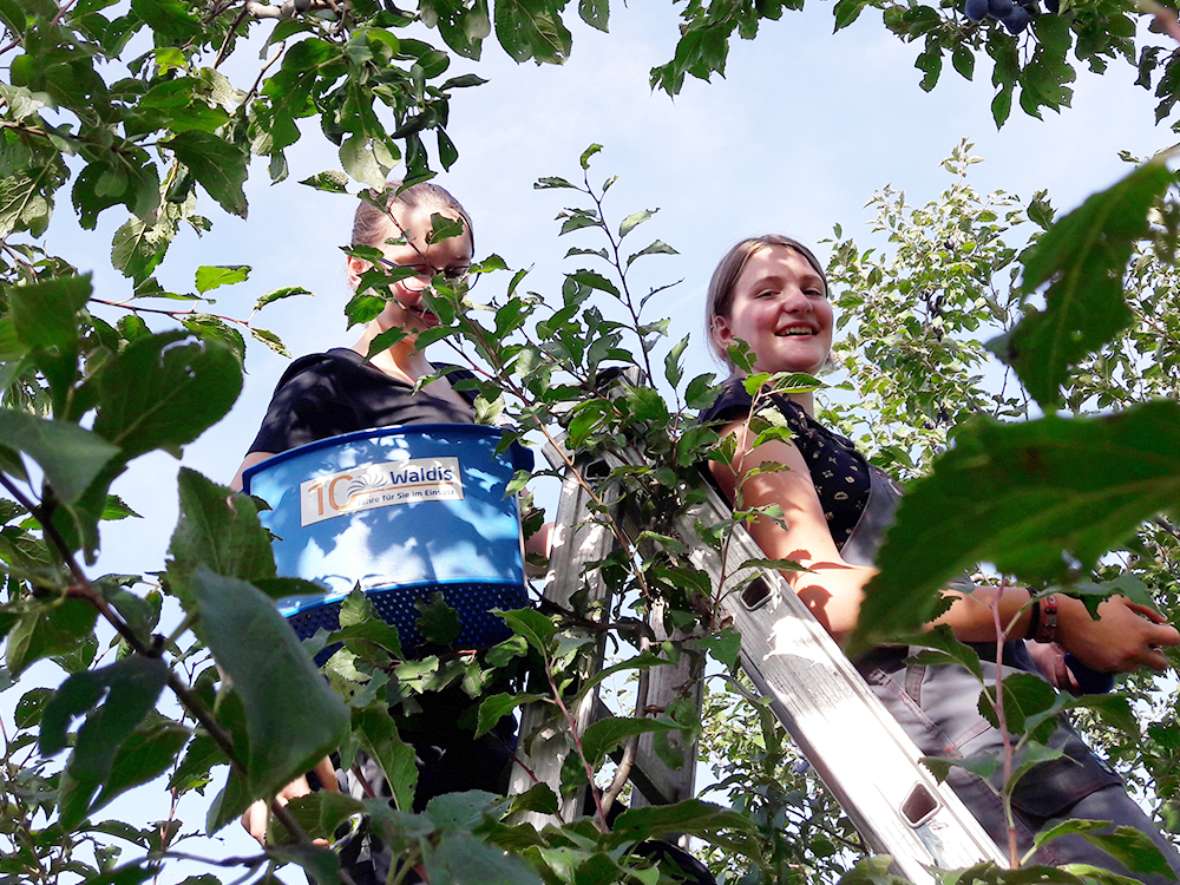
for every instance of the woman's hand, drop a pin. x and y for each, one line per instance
(1050, 660)
(256, 818)
(1126, 636)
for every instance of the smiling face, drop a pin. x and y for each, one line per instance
(779, 306)
(406, 308)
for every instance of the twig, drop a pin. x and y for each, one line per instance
(83, 589)
(174, 314)
(223, 52)
(618, 264)
(262, 73)
(524, 767)
(623, 772)
(1002, 722)
(288, 9)
(577, 738)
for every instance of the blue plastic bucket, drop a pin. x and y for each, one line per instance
(405, 511)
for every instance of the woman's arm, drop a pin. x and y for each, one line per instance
(1122, 639)
(249, 461)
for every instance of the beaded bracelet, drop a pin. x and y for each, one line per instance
(1047, 623)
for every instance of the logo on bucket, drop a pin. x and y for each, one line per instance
(379, 485)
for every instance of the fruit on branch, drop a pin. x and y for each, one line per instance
(1015, 15)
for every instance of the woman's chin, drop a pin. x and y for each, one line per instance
(809, 364)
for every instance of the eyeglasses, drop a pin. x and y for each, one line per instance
(454, 274)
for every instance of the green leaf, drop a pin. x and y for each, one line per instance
(219, 530)
(48, 630)
(963, 61)
(320, 865)
(691, 816)
(539, 798)
(360, 161)
(438, 622)
(701, 391)
(128, 691)
(281, 689)
(673, 370)
(495, 707)
(30, 707)
(984, 764)
(193, 771)
(655, 247)
(1028, 497)
(213, 276)
(532, 29)
(595, 13)
(929, 62)
(321, 812)
(605, 734)
(219, 167)
(379, 736)
(584, 160)
(549, 182)
(633, 221)
(331, 181)
(72, 458)
(846, 12)
(1033, 754)
(444, 227)
(1129, 846)
(44, 314)
(138, 248)
(943, 647)
(359, 622)
(163, 391)
(170, 19)
(1085, 254)
(537, 629)
(460, 857)
(724, 646)
(145, 755)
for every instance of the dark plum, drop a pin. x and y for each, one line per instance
(976, 10)
(1054, 6)
(1016, 20)
(1000, 8)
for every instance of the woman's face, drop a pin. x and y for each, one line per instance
(407, 309)
(781, 309)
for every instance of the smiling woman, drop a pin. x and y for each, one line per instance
(347, 389)
(771, 293)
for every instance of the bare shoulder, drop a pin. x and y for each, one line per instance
(747, 457)
(249, 461)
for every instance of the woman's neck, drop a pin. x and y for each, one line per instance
(402, 360)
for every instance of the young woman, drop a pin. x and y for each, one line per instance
(339, 391)
(771, 292)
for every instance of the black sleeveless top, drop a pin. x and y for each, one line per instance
(327, 394)
(838, 471)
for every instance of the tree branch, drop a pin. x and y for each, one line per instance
(287, 9)
(83, 589)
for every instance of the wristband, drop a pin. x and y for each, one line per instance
(1034, 621)
(1047, 623)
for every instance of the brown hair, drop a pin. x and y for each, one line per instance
(720, 294)
(370, 225)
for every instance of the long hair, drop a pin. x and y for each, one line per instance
(372, 225)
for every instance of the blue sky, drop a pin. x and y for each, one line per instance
(803, 129)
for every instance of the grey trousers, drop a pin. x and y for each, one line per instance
(938, 707)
